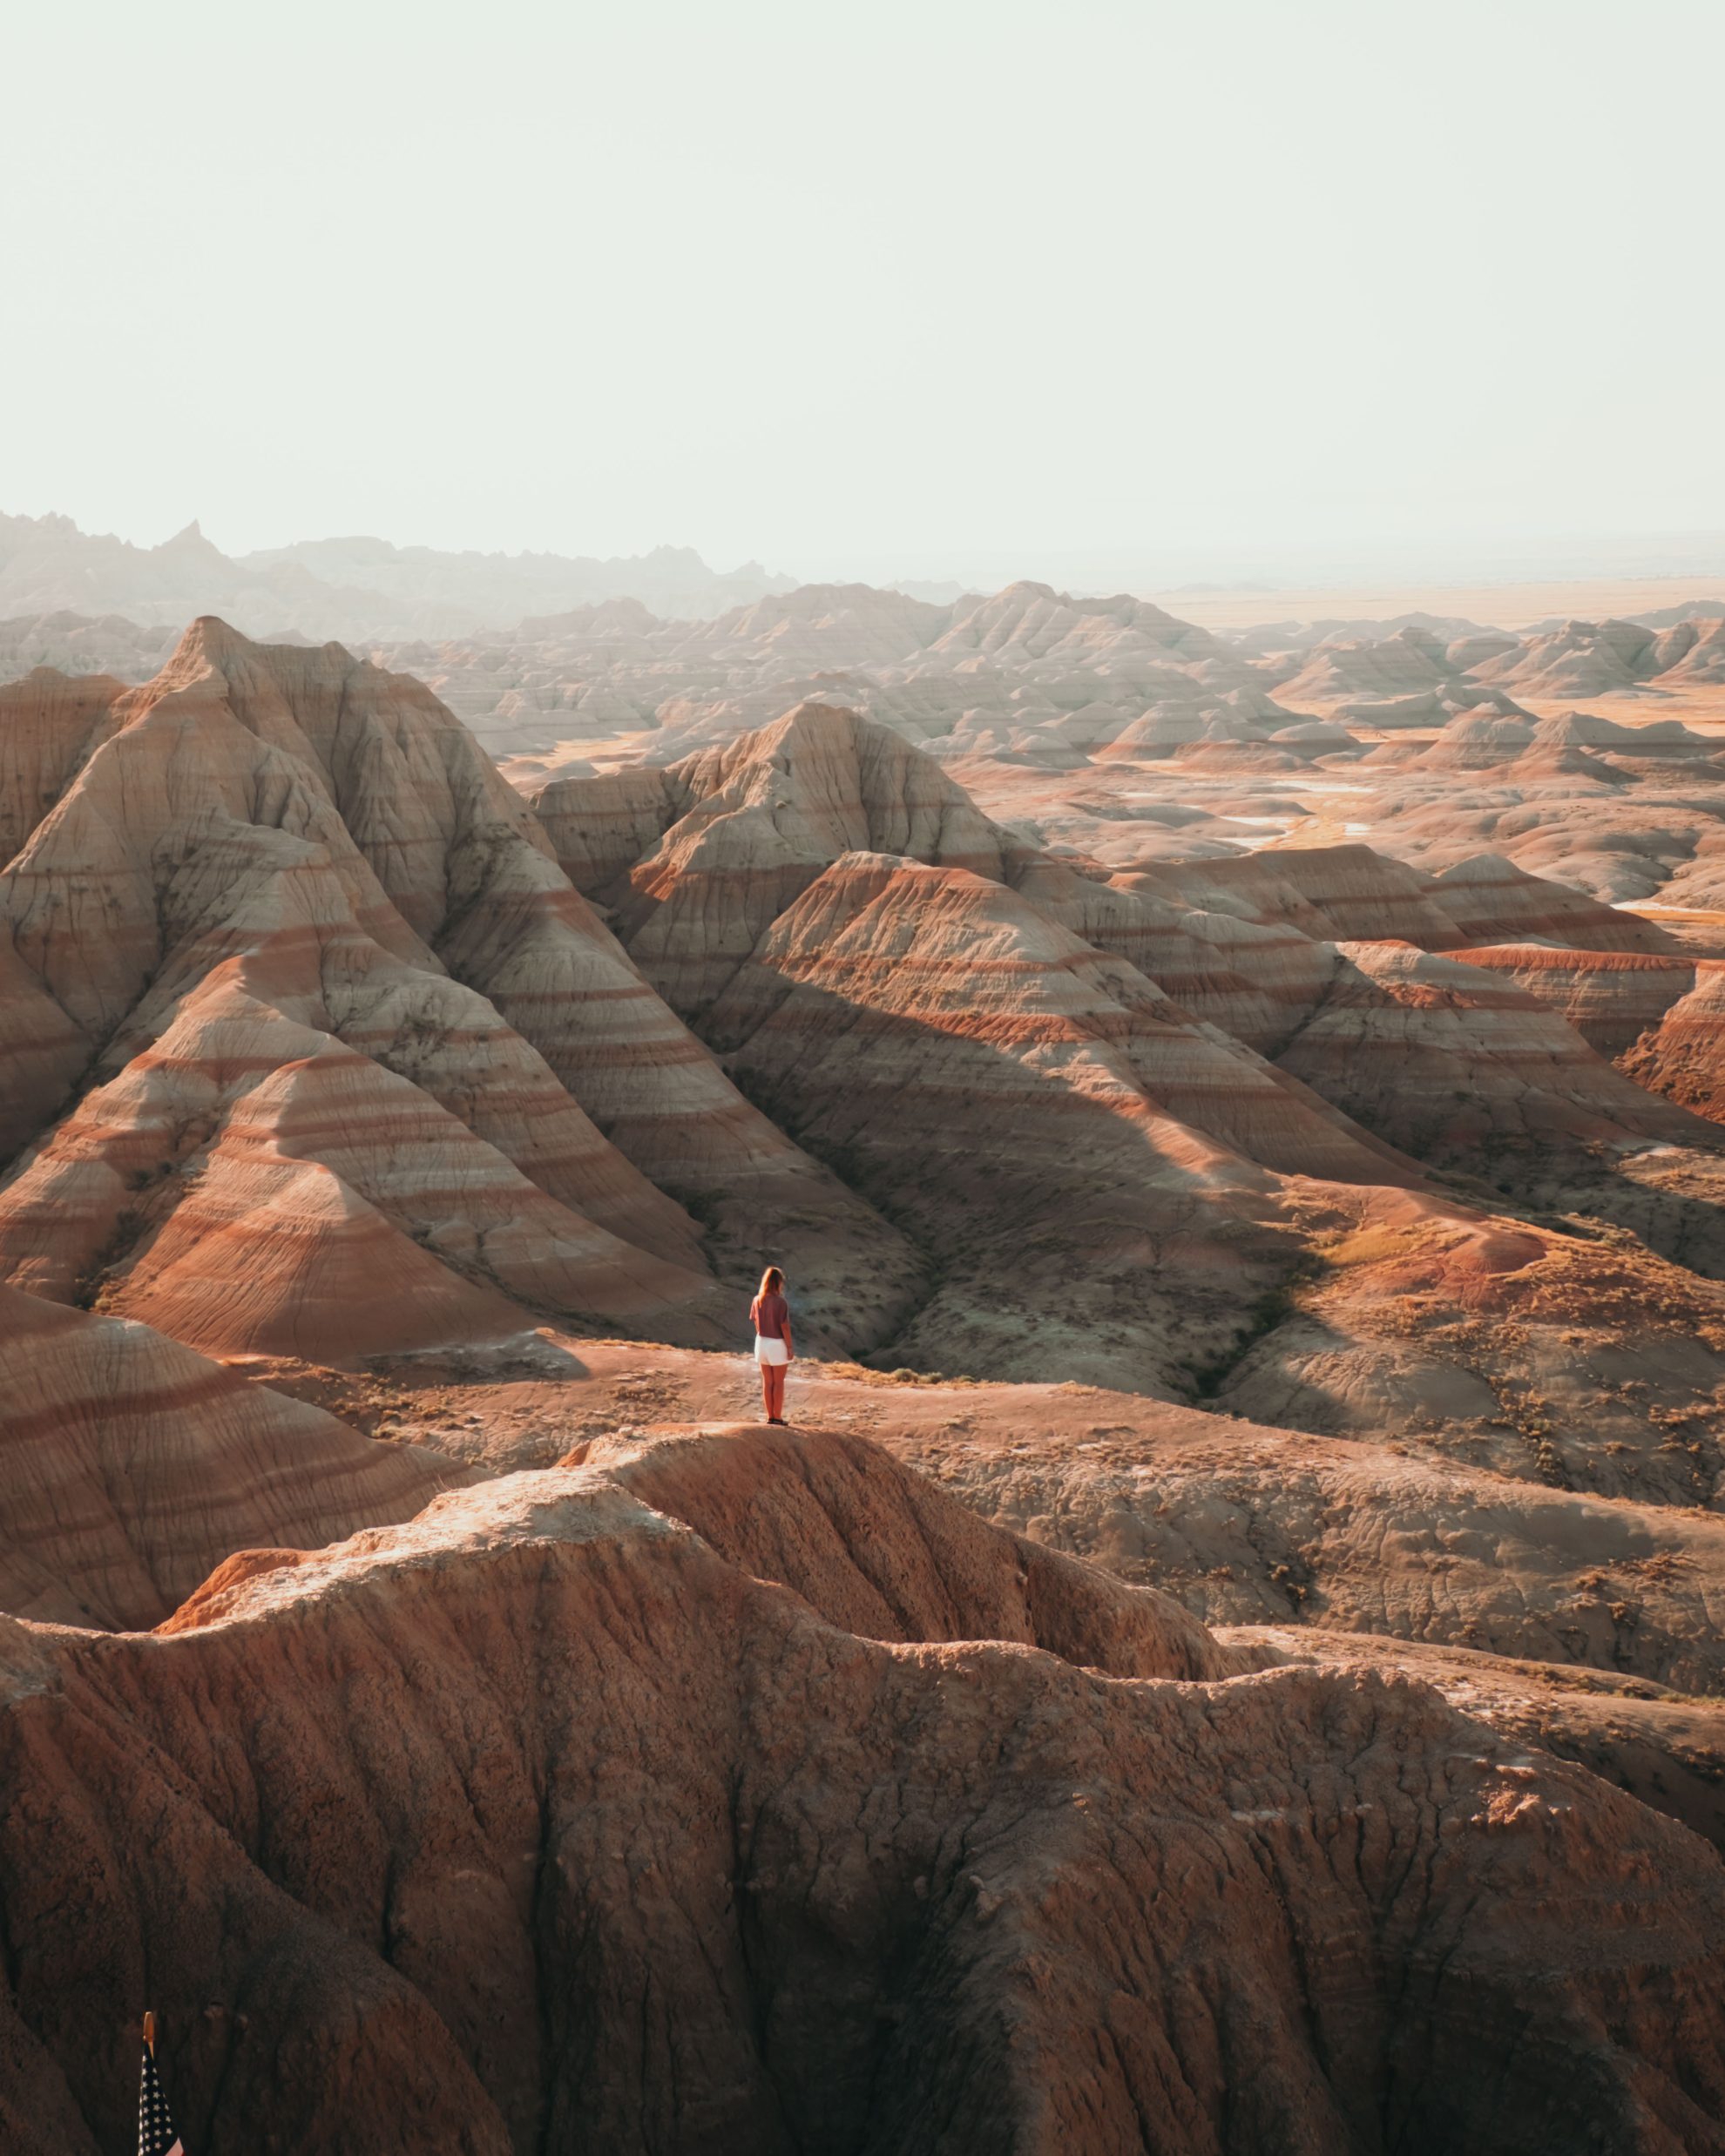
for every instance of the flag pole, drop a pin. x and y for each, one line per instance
(150, 2030)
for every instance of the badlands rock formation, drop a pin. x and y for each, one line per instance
(1683, 1054)
(132, 1466)
(1487, 896)
(1471, 1068)
(737, 834)
(1313, 1743)
(917, 1017)
(925, 1026)
(320, 954)
(454, 1908)
(339, 587)
(1583, 1625)
(1441, 1058)
(348, 1022)
(1105, 725)
(1611, 997)
(1243, 1523)
(1100, 721)
(83, 644)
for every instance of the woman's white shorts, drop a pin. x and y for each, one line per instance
(773, 1351)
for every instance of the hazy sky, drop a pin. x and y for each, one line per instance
(899, 286)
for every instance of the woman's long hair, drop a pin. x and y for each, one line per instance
(772, 1280)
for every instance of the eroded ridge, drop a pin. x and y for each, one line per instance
(540, 1816)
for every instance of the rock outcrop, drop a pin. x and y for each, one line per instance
(650, 1844)
(885, 1553)
(1439, 1058)
(1492, 900)
(1328, 893)
(1415, 1540)
(251, 1183)
(333, 834)
(1611, 997)
(1580, 659)
(925, 1026)
(1683, 1056)
(637, 1776)
(132, 1466)
(744, 830)
(601, 823)
(1256, 980)
(353, 1068)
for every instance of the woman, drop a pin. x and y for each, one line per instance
(769, 1313)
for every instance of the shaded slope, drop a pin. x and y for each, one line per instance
(874, 1897)
(1683, 1056)
(1439, 1056)
(1019, 1099)
(1460, 1066)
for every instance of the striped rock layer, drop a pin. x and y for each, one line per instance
(132, 1466)
(925, 1001)
(327, 1046)
(321, 1053)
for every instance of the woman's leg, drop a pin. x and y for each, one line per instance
(775, 1396)
(766, 1391)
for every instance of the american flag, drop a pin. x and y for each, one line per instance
(157, 2133)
